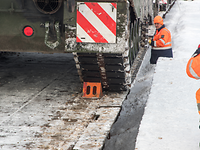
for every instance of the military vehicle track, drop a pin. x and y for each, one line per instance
(93, 67)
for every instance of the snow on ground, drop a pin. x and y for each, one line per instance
(171, 120)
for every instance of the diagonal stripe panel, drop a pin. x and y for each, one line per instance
(96, 22)
(103, 16)
(89, 29)
(99, 25)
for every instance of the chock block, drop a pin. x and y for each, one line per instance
(92, 89)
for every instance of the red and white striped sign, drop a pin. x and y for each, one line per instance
(163, 1)
(96, 22)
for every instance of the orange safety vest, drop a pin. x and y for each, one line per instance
(162, 39)
(193, 71)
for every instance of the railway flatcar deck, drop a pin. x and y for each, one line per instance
(42, 105)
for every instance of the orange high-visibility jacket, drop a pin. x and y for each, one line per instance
(198, 99)
(193, 67)
(162, 39)
(193, 71)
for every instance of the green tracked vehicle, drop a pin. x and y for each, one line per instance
(104, 36)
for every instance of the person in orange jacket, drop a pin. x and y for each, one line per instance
(161, 42)
(193, 71)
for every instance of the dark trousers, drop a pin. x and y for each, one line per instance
(155, 54)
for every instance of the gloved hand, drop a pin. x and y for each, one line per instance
(149, 41)
(197, 52)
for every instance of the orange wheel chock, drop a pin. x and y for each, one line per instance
(92, 89)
